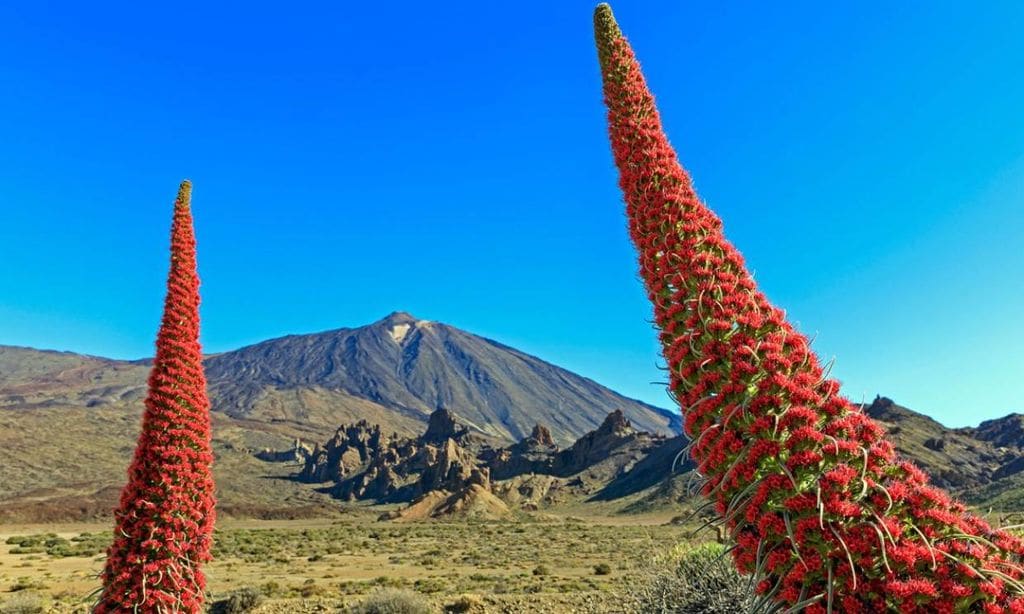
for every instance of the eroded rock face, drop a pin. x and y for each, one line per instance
(298, 453)
(534, 454)
(450, 463)
(442, 426)
(597, 445)
(352, 447)
(455, 469)
(539, 438)
(364, 464)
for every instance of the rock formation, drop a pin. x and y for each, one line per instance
(442, 426)
(450, 470)
(298, 453)
(352, 447)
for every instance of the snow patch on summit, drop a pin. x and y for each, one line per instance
(399, 331)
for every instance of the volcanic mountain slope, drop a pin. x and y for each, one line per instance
(984, 465)
(32, 379)
(955, 459)
(68, 425)
(413, 367)
(394, 372)
(68, 422)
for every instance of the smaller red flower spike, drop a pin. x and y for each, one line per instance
(820, 508)
(164, 524)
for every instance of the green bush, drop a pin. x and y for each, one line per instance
(602, 569)
(25, 583)
(430, 585)
(237, 602)
(86, 544)
(393, 601)
(691, 580)
(22, 604)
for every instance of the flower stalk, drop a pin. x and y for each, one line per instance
(822, 511)
(164, 522)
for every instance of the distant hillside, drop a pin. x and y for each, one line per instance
(981, 464)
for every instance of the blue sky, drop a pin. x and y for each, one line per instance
(450, 160)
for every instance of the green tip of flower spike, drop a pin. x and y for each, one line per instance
(606, 30)
(184, 194)
(605, 27)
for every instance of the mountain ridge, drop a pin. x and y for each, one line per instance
(399, 364)
(278, 397)
(68, 422)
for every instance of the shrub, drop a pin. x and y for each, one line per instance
(24, 603)
(393, 601)
(690, 580)
(541, 570)
(311, 589)
(237, 602)
(430, 585)
(466, 604)
(25, 583)
(602, 569)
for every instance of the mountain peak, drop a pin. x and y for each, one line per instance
(398, 324)
(399, 317)
(409, 367)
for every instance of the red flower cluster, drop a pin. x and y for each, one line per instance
(164, 523)
(821, 509)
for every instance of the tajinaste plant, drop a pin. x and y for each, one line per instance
(819, 507)
(164, 523)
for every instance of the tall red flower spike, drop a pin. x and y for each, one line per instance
(164, 523)
(821, 510)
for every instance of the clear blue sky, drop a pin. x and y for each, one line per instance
(450, 159)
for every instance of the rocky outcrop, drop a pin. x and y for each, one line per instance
(442, 426)
(453, 469)
(666, 459)
(298, 453)
(1005, 432)
(954, 458)
(541, 436)
(365, 464)
(539, 440)
(450, 469)
(351, 448)
(597, 445)
(534, 454)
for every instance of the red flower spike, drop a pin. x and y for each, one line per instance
(825, 482)
(164, 523)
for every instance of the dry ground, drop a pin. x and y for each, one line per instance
(537, 564)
